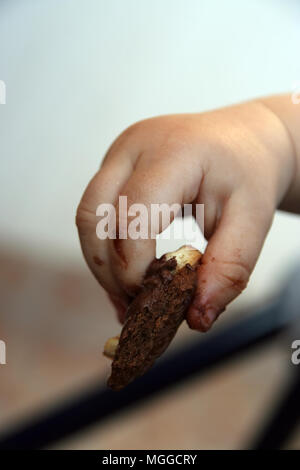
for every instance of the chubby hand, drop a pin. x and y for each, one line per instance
(237, 161)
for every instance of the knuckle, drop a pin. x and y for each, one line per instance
(234, 275)
(123, 139)
(176, 142)
(130, 131)
(83, 217)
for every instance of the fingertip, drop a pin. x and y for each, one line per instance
(202, 318)
(196, 321)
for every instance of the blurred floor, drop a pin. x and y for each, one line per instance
(219, 411)
(55, 321)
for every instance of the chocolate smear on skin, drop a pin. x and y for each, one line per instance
(98, 261)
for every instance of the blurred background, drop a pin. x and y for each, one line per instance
(77, 73)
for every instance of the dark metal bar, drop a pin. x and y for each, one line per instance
(284, 421)
(286, 415)
(99, 403)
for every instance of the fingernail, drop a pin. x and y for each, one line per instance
(202, 318)
(209, 316)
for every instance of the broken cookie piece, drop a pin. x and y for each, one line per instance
(110, 347)
(154, 316)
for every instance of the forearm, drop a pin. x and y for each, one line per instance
(289, 115)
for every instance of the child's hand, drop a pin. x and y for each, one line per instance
(238, 161)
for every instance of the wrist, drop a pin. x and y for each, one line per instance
(279, 146)
(289, 115)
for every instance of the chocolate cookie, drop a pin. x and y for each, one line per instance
(154, 316)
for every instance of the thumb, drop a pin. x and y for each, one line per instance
(229, 259)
